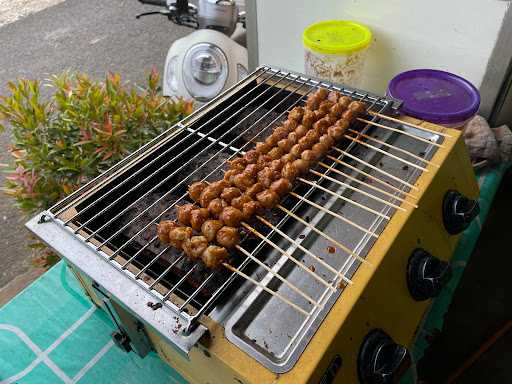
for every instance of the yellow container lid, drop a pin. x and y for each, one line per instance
(336, 37)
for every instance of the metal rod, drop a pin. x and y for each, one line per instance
(382, 182)
(360, 191)
(305, 250)
(174, 172)
(196, 291)
(117, 186)
(176, 186)
(322, 164)
(162, 275)
(344, 198)
(372, 167)
(153, 261)
(284, 253)
(324, 235)
(385, 153)
(175, 286)
(408, 153)
(401, 132)
(409, 124)
(278, 276)
(338, 216)
(257, 283)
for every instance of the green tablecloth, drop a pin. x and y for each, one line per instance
(50, 333)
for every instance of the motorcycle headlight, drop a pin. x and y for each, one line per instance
(205, 71)
(172, 75)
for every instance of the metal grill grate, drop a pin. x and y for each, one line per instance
(116, 214)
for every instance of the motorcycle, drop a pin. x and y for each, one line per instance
(212, 58)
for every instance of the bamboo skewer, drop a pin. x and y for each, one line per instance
(344, 198)
(400, 131)
(323, 209)
(373, 147)
(282, 298)
(324, 235)
(345, 153)
(305, 250)
(409, 124)
(408, 153)
(284, 253)
(273, 273)
(367, 184)
(358, 190)
(382, 182)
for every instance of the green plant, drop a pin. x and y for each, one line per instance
(83, 128)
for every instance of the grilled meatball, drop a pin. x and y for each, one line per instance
(293, 138)
(325, 106)
(301, 165)
(349, 115)
(184, 213)
(330, 119)
(310, 156)
(231, 216)
(178, 235)
(281, 132)
(216, 206)
(289, 171)
(252, 169)
(357, 106)
(312, 136)
(345, 101)
(321, 126)
(208, 194)
(213, 256)
(267, 175)
(229, 194)
(297, 150)
(254, 189)
(290, 124)
(276, 165)
(229, 175)
(210, 227)
(228, 237)
(250, 209)
(163, 229)
(198, 217)
(263, 160)
(336, 132)
(219, 185)
(327, 140)
(195, 246)
(262, 147)
(195, 189)
(287, 158)
(243, 181)
(319, 114)
(320, 149)
(305, 142)
(336, 110)
(300, 131)
(281, 186)
(276, 153)
(237, 163)
(251, 156)
(271, 141)
(238, 202)
(296, 113)
(268, 198)
(285, 145)
(333, 96)
(308, 119)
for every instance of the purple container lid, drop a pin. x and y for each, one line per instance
(435, 96)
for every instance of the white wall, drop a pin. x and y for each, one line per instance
(453, 35)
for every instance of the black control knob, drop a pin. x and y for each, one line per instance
(121, 340)
(381, 360)
(458, 212)
(426, 275)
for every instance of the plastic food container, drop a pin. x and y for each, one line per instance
(335, 50)
(436, 96)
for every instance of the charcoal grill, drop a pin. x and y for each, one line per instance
(294, 265)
